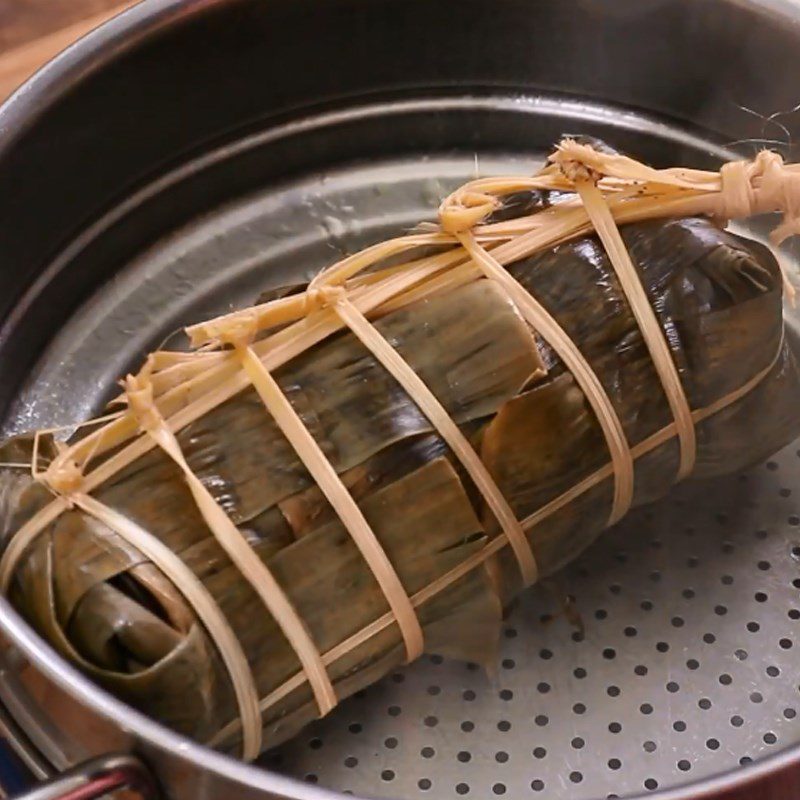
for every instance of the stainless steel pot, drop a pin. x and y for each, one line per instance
(191, 151)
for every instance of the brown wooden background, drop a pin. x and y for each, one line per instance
(33, 31)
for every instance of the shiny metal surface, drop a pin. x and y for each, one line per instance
(97, 778)
(687, 667)
(34, 766)
(287, 231)
(236, 184)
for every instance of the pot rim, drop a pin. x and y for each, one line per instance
(86, 56)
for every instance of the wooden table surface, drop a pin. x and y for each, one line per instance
(33, 31)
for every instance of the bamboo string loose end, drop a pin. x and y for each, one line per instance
(789, 289)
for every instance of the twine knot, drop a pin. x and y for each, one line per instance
(316, 298)
(737, 198)
(464, 209)
(577, 172)
(579, 163)
(239, 330)
(760, 186)
(139, 392)
(754, 187)
(64, 478)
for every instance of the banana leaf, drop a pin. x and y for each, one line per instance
(103, 606)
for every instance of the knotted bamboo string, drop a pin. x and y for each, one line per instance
(673, 192)
(543, 322)
(497, 544)
(206, 608)
(447, 429)
(184, 580)
(334, 490)
(651, 330)
(770, 186)
(233, 542)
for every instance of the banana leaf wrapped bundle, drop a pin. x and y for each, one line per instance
(202, 455)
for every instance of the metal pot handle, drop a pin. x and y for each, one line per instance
(95, 778)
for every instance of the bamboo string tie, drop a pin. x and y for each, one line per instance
(139, 390)
(239, 331)
(758, 186)
(323, 291)
(633, 190)
(540, 319)
(586, 179)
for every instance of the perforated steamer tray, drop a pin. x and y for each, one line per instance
(691, 608)
(687, 667)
